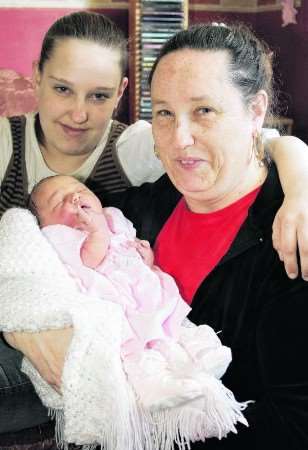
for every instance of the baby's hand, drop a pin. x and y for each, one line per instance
(91, 221)
(145, 251)
(95, 246)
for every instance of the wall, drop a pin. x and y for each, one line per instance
(22, 28)
(290, 45)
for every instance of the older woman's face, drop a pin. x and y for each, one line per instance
(202, 129)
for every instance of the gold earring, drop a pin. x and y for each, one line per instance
(156, 152)
(258, 148)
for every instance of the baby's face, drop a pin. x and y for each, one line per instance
(59, 199)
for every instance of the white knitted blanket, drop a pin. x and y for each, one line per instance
(97, 405)
(38, 294)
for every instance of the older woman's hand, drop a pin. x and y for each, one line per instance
(290, 235)
(46, 350)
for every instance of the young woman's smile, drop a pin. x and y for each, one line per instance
(76, 110)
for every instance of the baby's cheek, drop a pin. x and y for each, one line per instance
(68, 218)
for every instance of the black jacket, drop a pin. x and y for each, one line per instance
(260, 313)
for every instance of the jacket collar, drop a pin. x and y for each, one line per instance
(258, 225)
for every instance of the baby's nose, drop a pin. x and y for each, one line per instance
(76, 198)
(73, 198)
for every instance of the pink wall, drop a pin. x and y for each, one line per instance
(21, 32)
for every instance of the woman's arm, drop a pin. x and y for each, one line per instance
(281, 339)
(290, 227)
(278, 416)
(46, 350)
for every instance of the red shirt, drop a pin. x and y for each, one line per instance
(190, 245)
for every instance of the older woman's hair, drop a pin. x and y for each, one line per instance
(250, 58)
(88, 26)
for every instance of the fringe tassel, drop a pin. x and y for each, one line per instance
(215, 414)
(47, 444)
(212, 415)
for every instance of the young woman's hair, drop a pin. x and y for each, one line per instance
(250, 59)
(88, 26)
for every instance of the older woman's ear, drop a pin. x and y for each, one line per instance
(258, 108)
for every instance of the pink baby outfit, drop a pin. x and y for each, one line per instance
(166, 362)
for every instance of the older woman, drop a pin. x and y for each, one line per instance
(211, 218)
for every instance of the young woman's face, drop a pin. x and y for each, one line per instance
(58, 199)
(78, 90)
(202, 128)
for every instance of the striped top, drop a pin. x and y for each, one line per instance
(107, 174)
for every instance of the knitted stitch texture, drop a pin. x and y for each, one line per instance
(97, 405)
(38, 294)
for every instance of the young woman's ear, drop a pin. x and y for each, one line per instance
(36, 76)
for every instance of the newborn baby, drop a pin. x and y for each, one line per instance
(168, 361)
